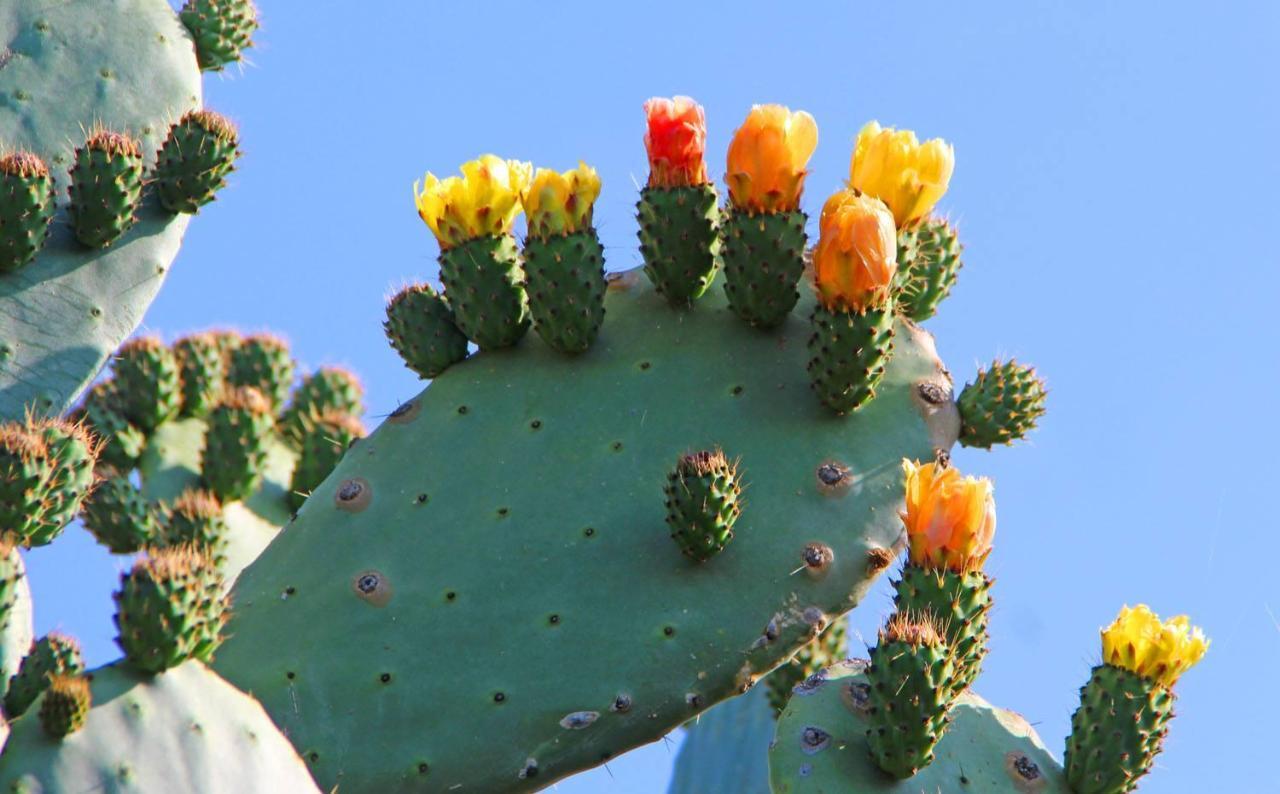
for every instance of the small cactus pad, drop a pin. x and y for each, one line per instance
(679, 240)
(327, 440)
(328, 390)
(185, 730)
(704, 499)
(235, 447)
(169, 608)
(483, 281)
(1117, 731)
(195, 519)
(763, 262)
(25, 467)
(221, 30)
(928, 264)
(1001, 406)
(26, 208)
(418, 550)
(133, 71)
(961, 602)
(73, 453)
(106, 187)
(262, 361)
(564, 277)
(16, 631)
(849, 351)
(52, 654)
(821, 746)
(119, 518)
(422, 329)
(65, 705)
(197, 156)
(202, 368)
(827, 649)
(148, 386)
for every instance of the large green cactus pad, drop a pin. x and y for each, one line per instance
(64, 66)
(485, 594)
(183, 730)
(821, 747)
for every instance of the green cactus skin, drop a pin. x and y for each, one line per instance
(197, 157)
(202, 369)
(120, 442)
(961, 602)
(564, 278)
(422, 329)
(262, 362)
(483, 281)
(928, 264)
(118, 516)
(704, 500)
(1001, 406)
(106, 187)
(148, 387)
(403, 517)
(850, 350)
(26, 208)
(220, 29)
(25, 467)
(763, 262)
(185, 730)
(821, 746)
(1117, 731)
(65, 705)
(679, 240)
(196, 520)
(330, 436)
(132, 70)
(72, 455)
(235, 448)
(328, 390)
(52, 654)
(827, 649)
(170, 608)
(727, 748)
(16, 631)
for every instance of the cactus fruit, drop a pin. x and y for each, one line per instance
(704, 500)
(52, 654)
(1002, 405)
(73, 453)
(849, 350)
(328, 438)
(197, 156)
(106, 187)
(24, 471)
(422, 329)
(202, 369)
(221, 30)
(928, 264)
(26, 208)
(821, 746)
(169, 608)
(328, 390)
(262, 362)
(184, 730)
(195, 519)
(235, 450)
(120, 518)
(147, 384)
(15, 612)
(65, 705)
(961, 601)
(825, 650)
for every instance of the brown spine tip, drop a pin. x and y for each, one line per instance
(170, 563)
(913, 629)
(197, 503)
(245, 398)
(702, 463)
(878, 559)
(213, 123)
(140, 344)
(23, 164)
(116, 144)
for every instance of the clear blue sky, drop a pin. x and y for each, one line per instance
(1115, 180)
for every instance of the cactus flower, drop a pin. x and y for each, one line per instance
(856, 255)
(483, 202)
(768, 157)
(557, 203)
(950, 519)
(896, 168)
(676, 141)
(1161, 651)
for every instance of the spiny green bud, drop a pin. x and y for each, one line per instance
(147, 385)
(65, 706)
(821, 652)
(422, 329)
(106, 186)
(928, 263)
(26, 208)
(221, 30)
(235, 446)
(25, 468)
(119, 517)
(262, 361)
(202, 368)
(193, 164)
(196, 520)
(703, 502)
(169, 608)
(52, 654)
(73, 453)
(121, 441)
(327, 439)
(1002, 405)
(327, 390)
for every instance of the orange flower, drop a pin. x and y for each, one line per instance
(857, 252)
(676, 141)
(767, 159)
(950, 519)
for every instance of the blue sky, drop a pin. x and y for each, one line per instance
(1114, 188)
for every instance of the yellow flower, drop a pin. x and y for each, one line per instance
(559, 203)
(896, 168)
(483, 202)
(1140, 643)
(767, 159)
(950, 519)
(857, 252)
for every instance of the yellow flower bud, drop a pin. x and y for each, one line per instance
(483, 202)
(559, 203)
(1160, 651)
(896, 168)
(856, 255)
(768, 157)
(950, 519)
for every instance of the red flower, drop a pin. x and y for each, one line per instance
(676, 142)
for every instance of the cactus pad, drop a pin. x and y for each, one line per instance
(704, 499)
(65, 705)
(679, 240)
(849, 352)
(26, 208)
(197, 156)
(565, 283)
(106, 187)
(960, 602)
(422, 329)
(52, 654)
(928, 264)
(1001, 405)
(221, 30)
(727, 748)
(16, 631)
(169, 608)
(409, 533)
(763, 261)
(483, 281)
(119, 518)
(1117, 731)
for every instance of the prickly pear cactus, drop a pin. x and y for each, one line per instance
(16, 631)
(821, 746)
(727, 748)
